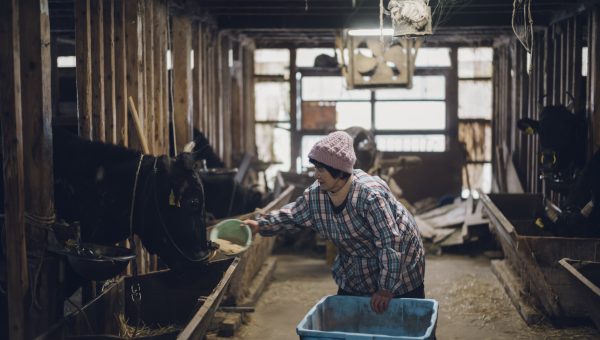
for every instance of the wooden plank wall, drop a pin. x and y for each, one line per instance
(13, 175)
(121, 51)
(554, 77)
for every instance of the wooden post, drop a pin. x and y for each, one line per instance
(133, 34)
(150, 75)
(250, 144)
(120, 77)
(98, 114)
(224, 129)
(594, 77)
(110, 71)
(83, 69)
(38, 164)
(12, 150)
(182, 81)
(160, 75)
(198, 74)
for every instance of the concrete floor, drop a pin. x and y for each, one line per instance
(472, 303)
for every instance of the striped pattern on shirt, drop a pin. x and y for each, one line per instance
(379, 246)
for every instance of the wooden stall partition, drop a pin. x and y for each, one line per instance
(120, 75)
(12, 151)
(97, 51)
(182, 80)
(149, 48)
(249, 145)
(109, 72)
(160, 76)
(198, 75)
(206, 74)
(134, 63)
(237, 110)
(83, 51)
(38, 163)
(593, 102)
(224, 82)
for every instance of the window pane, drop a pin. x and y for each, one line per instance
(307, 144)
(475, 62)
(424, 87)
(477, 137)
(411, 143)
(305, 57)
(410, 115)
(329, 88)
(353, 114)
(272, 101)
(272, 61)
(475, 99)
(480, 177)
(433, 57)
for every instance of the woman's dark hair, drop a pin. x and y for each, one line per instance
(335, 173)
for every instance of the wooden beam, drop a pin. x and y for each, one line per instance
(120, 76)
(83, 36)
(110, 72)
(98, 114)
(150, 74)
(182, 80)
(36, 80)
(224, 130)
(594, 77)
(161, 80)
(12, 151)
(198, 74)
(133, 38)
(159, 75)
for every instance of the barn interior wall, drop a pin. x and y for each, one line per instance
(550, 75)
(121, 51)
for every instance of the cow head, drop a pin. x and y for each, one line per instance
(562, 141)
(173, 221)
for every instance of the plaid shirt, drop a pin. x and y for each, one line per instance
(379, 246)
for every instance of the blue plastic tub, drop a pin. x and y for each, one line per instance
(351, 317)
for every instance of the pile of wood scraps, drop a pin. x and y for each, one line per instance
(453, 224)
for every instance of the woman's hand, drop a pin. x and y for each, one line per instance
(253, 226)
(380, 301)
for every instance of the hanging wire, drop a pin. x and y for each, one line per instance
(525, 38)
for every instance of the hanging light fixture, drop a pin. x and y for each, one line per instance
(410, 17)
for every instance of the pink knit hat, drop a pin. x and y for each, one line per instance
(335, 150)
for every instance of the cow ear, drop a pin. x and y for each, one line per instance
(528, 125)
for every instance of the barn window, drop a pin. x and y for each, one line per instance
(474, 117)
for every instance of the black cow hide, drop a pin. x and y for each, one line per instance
(563, 138)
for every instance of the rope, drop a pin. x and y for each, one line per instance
(38, 221)
(528, 24)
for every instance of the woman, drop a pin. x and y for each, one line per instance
(380, 253)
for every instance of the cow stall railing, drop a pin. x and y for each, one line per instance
(533, 256)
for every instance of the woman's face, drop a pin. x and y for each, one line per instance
(326, 181)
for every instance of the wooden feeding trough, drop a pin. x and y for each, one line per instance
(586, 275)
(534, 256)
(171, 307)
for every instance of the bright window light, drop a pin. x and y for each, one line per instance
(370, 32)
(66, 61)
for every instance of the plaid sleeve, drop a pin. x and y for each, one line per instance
(387, 242)
(293, 215)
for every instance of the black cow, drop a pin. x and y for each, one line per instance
(562, 161)
(94, 184)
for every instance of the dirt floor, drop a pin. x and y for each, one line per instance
(472, 303)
